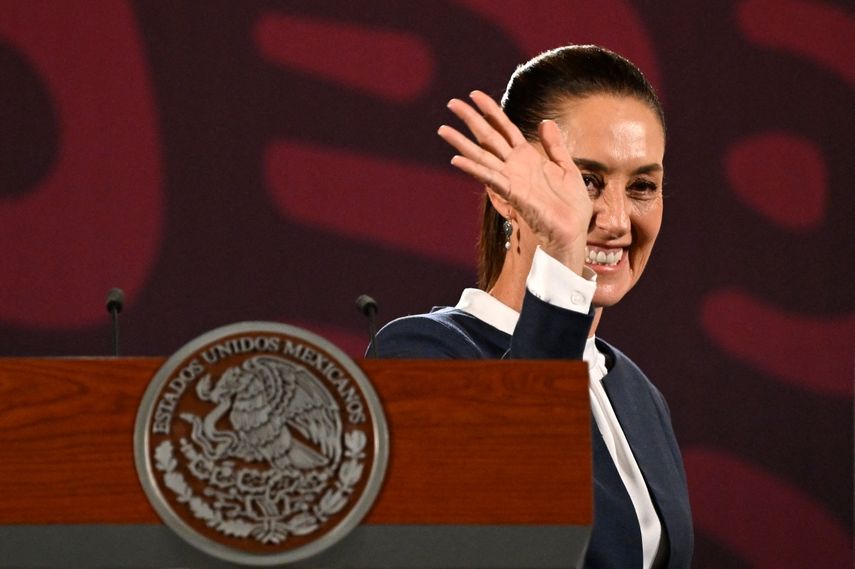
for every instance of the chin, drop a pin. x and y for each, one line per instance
(604, 301)
(608, 295)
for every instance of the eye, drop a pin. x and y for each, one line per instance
(593, 184)
(643, 188)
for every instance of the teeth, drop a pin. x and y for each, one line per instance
(603, 258)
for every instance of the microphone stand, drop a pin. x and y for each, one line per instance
(115, 300)
(368, 306)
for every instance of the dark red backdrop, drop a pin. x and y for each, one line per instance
(226, 161)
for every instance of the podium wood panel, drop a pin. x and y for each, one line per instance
(487, 442)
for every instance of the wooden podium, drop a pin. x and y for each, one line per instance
(489, 466)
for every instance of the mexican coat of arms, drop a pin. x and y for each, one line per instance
(261, 443)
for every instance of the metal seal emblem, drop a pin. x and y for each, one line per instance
(261, 443)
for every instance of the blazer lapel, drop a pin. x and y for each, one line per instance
(647, 428)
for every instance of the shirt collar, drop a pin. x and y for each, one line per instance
(488, 309)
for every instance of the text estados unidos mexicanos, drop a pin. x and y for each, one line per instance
(333, 374)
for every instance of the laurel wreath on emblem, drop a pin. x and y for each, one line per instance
(265, 398)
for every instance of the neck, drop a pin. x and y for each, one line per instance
(598, 313)
(509, 288)
(507, 295)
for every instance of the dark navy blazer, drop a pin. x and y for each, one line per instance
(545, 331)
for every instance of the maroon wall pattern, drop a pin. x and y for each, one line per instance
(225, 161)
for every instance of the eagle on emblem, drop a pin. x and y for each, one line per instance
(278, 413)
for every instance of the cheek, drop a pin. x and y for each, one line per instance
(646, 222)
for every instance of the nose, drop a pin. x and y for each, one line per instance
(611, 212)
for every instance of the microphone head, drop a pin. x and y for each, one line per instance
(366, 304)
(115, 300)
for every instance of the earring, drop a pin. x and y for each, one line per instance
(507, 229)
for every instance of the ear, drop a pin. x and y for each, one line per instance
(500, 204)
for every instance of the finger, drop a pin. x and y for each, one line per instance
(556, 145)
(468, 148)
(497, 118)
(487, 136)
(487, 176)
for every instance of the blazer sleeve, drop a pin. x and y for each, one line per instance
(546, 331)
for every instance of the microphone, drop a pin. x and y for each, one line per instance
(115, 302)
(368, 307)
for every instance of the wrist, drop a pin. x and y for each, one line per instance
(571, 255)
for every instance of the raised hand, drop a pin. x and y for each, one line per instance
(538, 181)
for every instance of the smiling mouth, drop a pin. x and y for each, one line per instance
(603, 257)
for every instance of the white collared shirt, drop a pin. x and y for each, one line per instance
(552, 282)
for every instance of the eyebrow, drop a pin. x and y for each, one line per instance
(586, 164)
